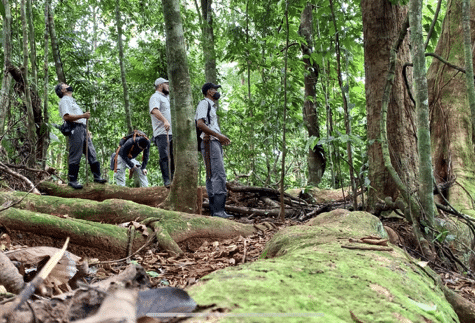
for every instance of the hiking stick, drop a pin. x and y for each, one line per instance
(169, 159)
(87, 144)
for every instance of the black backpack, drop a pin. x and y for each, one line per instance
(198, 130)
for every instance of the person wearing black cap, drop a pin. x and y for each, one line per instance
(70, 111)
(130, 148)
(212, 150)
(159, 108)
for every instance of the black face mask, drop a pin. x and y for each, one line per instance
(69, 89)
(216, 95)
(166, 92)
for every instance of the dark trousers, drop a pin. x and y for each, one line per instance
(77, 145)
(215, 175)
(162, 145)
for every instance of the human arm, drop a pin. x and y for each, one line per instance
(75, 117)
(124, 151)
(146, 153)
(200, 123)
(160, 117)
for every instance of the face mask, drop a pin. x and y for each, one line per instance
(216, 95)
(165, 91)
(69, 89)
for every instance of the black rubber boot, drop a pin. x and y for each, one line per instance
(96, 171)
(164, 169)
(218, 206)
(73, 176)
(211, 205)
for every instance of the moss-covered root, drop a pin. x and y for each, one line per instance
(105, 237)
(311, 278)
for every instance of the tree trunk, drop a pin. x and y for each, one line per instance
(426, 196)
(31, 126)
(32, 43)
(451, 128)
(381, 24)
(467, 40)
(32, 214)
(7, 78)
(128, 119)
(345, 108)
(209, 52)
(316, 155)
(151, 196)
(58, 64)
(182, 195)
(46, 81)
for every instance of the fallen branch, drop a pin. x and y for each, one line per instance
(7, 170)
(367, 248)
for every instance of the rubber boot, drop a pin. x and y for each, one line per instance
(218, 205)
(96, 171)
(73, 176)
(164, 169)
(211, 205)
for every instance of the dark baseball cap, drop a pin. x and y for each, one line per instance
(208, 86)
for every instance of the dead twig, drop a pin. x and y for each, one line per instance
(368, 248)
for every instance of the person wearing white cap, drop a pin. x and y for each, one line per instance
(159, 108)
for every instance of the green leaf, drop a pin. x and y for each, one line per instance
(153, 274)
(2, 10)
(425, 307)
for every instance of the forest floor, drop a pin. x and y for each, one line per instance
(201, 257)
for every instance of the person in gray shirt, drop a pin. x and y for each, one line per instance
(159, 108)
(70, 111)
(212, 149)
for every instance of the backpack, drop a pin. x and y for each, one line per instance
(134, 134)
(198, 130)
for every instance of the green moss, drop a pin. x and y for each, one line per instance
(311, 273)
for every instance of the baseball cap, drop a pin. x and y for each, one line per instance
(208, 86)
(160, 81)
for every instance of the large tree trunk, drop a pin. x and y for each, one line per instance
(128, 119)
(151, 196)
(31, 127)
(46, 82)
(451, 128)
(7, 78)
(381, 24)
(32, 214)
(316, 155)
(182, 195)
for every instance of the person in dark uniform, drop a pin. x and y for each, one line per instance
(70, 111)
(130, 148)
(212, 150)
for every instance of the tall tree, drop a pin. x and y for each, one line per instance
(451, 118)
(7, 78)
(32, 43)
(209, 52)
(425, 178)
(58, 64)
(382, 22)
(316, 155)
(31, 126)
(182, 196)
(118, 19)
(46, 81)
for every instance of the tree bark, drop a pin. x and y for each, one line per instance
(31, 126)
(46, 81)
(316, 155)
(128, 119)
(58, 64)
(151, 196)
(74, 218)
(209, 53)
(382, 22)
(426, 196)
(182, 195)
(7, 78)
(451, 118)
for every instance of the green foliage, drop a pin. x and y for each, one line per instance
(249, 41)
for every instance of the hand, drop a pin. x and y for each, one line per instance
(224, 140)
(167, 126)
(87, 115)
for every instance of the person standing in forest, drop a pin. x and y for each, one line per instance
(70, 111)
(212, 150)
(129, 148)
(159, 108)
